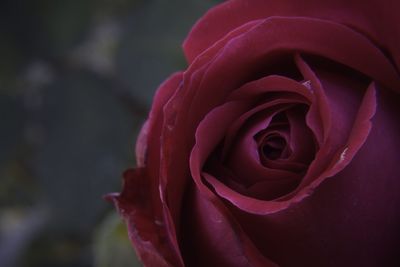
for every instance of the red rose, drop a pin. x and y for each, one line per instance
(279, 145)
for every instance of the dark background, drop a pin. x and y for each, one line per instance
(76, 82)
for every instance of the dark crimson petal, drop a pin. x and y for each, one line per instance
(351, 219)
(345, 131)
(339, 97)
(378, 20)
(153, 125)
(301, 138)
(265, 190)
(358, 135)
(172, 129)
(285, 165)
(319, 222)
(273, 144)
(146, 232)
(317, 116)
(242, 156)
(258, 90)
(278, 132)
(270, 189)
(210, 132)
(213, 236)
(230, 69)
(148, 159)
(270, 84)
(225, 73)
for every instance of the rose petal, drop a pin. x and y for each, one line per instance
(270, 84)
(154, 122)
(244, 158)
(301, 138)
(176, 128)
(147, 152)
(242, 151)
(146, 229)
(278, 132)
(301, 34)
(343, 97)
(215, 238)
(211, 131)
(378, 21)
(358, 135)
(230, 69)
(359, 205)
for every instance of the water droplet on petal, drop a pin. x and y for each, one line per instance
(343, 155)
(308, 85)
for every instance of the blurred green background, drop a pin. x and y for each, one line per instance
(76, 81)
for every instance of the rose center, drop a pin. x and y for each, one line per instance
(273, 147)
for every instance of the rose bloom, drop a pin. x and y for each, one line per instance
(278, 145)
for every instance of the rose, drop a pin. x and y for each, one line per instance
(278, 146)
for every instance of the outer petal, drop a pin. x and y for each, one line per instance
(231, 69)
(213, 237)
(377, 19)
(176, 129)
(145, 214)
(147, 234)
(154, 123)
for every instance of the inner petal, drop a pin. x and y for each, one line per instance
(244, 154)
(273, 147)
